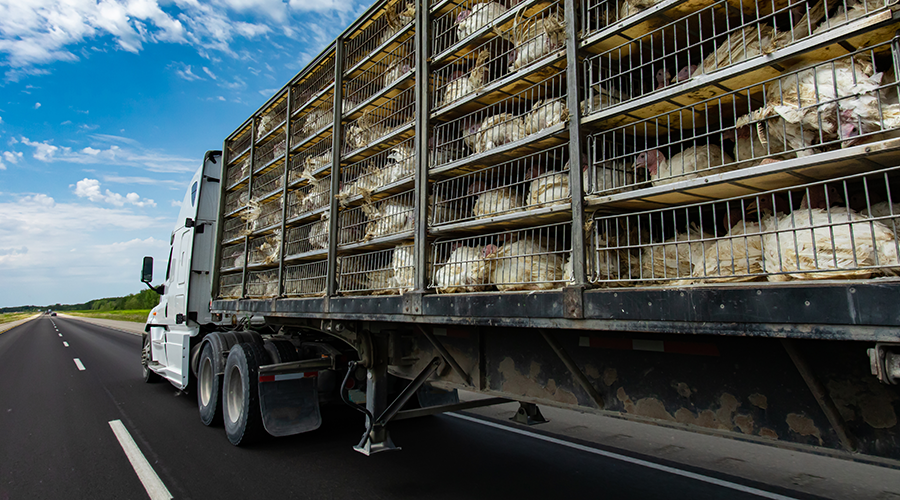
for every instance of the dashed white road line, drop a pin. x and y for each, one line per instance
(59, 334)
(79, 365)
(151, 481)
(66, 344)
(631, 460)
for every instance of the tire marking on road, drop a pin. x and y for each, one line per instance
(151, 481)
(79, 365)
(631, 460)
(65, 343)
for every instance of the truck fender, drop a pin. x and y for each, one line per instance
(221, 343)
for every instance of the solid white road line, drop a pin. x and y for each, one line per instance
(66, 344)
(635, 461)
(79, 365)
(152, 483)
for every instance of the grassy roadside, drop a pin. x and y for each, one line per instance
(10, 317)
(135, 315)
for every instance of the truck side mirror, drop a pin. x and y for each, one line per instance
(147, 271)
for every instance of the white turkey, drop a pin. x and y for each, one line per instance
(401, 164)
(743, 44)
(317, 196)
(545, 114)
(535, 38)
(524, 264)
(675, 257)
(318, 234)
(312, 164)
(267, 251)
(397, 20)
(362, 132)
(443, 208)
(314, 121)
(693, 162)
(464, 271)
(868, 112)
(757, 143)
(490, 201)
(402, 265)
(264, 284)
(548, 189)
(855, 9)
(496, 131)
(387, 218)
(602, 97)
(663, 78)
(837, 241)
(470, 21)
(461, 85)
(266, 123)
(809, 101)
(737, 256)
(396, 71)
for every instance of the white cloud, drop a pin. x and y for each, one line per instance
(186, 73)
(37, 105)
(176, 203)
(130, 153)
(210, 73)
(90, 189)
(12, 156)
(67, 122)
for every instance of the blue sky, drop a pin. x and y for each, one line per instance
(106, 109)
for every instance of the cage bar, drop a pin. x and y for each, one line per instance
(376, 123)
(396, 17)
(536, 258)
(538, 108)
(311, 161)
(377, 273)
(375, 220)
(232, 257)
(365, 177)
(309, 198)
(272, 118)
(533, 181)
(262, 284)
(230, 286)
(462, 21)
(305, 279)
(836, 229)
(312, 122)
(321, 77)
(812, 109)
(268, 181)
(265, 250)
(384, 72)
(307, 238)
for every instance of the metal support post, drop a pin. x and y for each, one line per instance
(421, 143)
(579, 265)
(337, 130)
(410, 389)
(377, 439)
(284, 187)
(249, 197)
(528, 414)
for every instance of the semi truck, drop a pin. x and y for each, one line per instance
(674, 212)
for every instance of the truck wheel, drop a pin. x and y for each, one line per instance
(240, 391)
(281, 350)
(150, 376)
(208, 387)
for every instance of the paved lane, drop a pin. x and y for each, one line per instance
(56, 441)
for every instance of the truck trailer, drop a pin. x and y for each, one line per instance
(677, 212)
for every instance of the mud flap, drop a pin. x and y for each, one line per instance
(289, 404)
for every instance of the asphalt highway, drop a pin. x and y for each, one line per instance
(57, 441)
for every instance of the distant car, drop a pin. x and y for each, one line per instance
(52, 314)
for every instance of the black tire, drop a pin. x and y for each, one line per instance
(209, 387)
(150, 376)
(240, 394)
(281, 351)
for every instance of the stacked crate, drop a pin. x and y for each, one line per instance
(378, 164)
(713, 141)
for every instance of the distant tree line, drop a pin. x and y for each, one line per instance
(145, 299)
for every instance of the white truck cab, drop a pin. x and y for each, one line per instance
(184, 296)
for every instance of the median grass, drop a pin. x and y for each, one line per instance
(135, 315)
(10, 317)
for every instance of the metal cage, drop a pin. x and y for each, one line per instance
(309, 199)
(377, 123)
(305, 279)
(373, 221)
(386, 168)
(306, 239)
(380, 272)
(312, 161)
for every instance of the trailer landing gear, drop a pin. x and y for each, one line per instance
(528, 414)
